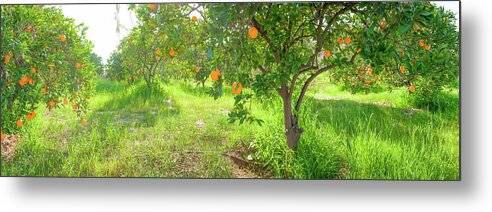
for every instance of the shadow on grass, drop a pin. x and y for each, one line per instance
(351, 119)
(137, 106)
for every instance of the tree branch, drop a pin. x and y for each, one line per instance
(306, 85)
(303, 69)
(353, 56)
(265, 36)
(262, 69)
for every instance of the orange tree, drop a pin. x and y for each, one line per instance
(279, 49)
(45, 59)
(152, 49)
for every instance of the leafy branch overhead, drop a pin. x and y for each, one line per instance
(277, 50)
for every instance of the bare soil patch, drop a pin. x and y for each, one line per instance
(243, 166)
(8, 144)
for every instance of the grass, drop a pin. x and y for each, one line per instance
(178, 131)
(366, 136)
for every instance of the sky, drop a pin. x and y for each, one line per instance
(101, 23)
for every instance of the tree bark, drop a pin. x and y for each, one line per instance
(291, 124)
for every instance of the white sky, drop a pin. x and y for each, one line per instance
(453, 6)
(101, 22)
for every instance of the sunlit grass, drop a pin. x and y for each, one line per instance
(178, 130)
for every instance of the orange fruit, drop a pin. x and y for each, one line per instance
(75, 107)
(62, 38)
(215, 75)
(427, 47)
(421, 43)
(7, 57)
(34, 70)
(51, 104)
(30, 81)
(237, 87)
(340, 40)
(2, 136)
(327, 53)
(411, 88)
(348, 40)
(78, 66)
(31, 115)
(382, 24)
(194, 18)
(172, 53)
(152, 7)
(19, 123)
(252, 32)
(403, 69)
(23, 81)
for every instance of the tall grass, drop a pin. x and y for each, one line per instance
(178, 130)
(347, 139)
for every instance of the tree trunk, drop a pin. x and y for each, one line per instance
(291, 124)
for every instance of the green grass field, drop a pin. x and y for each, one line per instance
(179, 131)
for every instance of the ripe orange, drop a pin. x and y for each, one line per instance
(327, 53)
(51, 104)
(30, 81)
(152, 7)
(194, 18)
(215, 75)
(411, 88)
(75, 107)
(23, 81)
(7, 57)
(172, 53)
(237, 87)
(382, 24)
(19, 123)
(252, 32)
(403, 69)
(421, 43)
(31, 115)
(78, 66)
(340, 40)
(427, 47)
(62, 38)
(348, 40)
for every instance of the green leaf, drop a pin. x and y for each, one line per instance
(404, 28)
